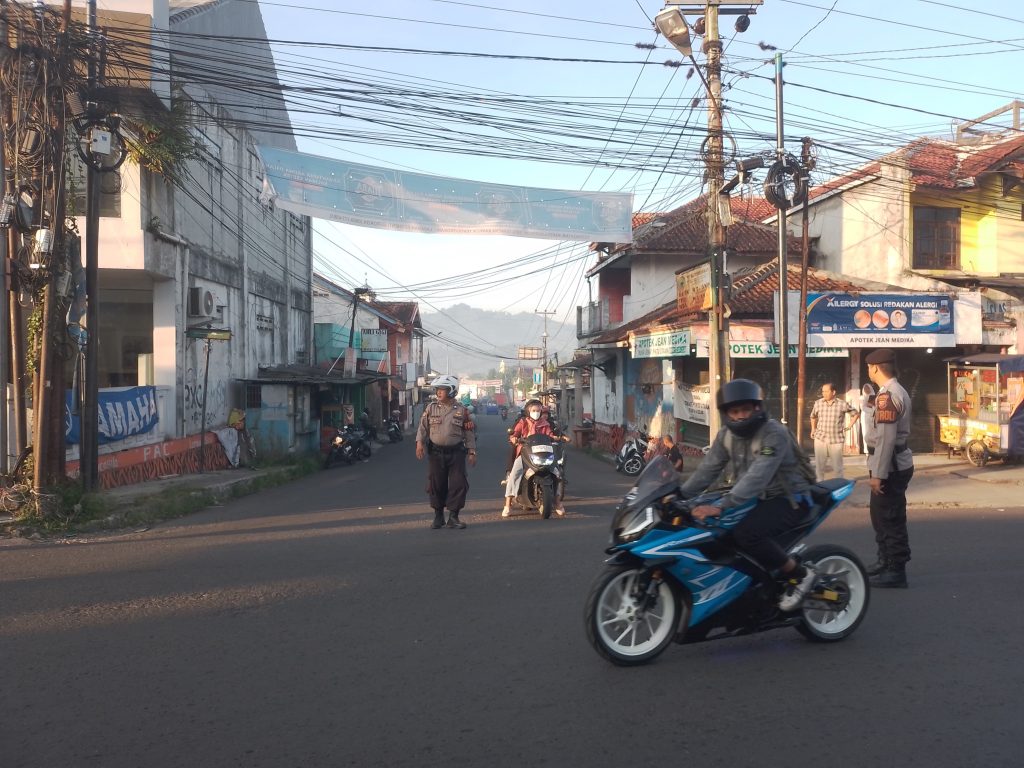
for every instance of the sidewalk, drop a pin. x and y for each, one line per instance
(938, 482)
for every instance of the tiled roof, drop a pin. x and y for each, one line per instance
(406, 312)
(951, 165)
(752, 297)
(684, 230)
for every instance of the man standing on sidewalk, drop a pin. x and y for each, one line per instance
(828, 430)
(890, 467)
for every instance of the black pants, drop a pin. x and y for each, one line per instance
(447, 484)
(889, 517)
(769, 518)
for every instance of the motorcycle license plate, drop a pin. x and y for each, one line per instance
(543, 449)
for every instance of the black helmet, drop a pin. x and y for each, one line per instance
(742, 391)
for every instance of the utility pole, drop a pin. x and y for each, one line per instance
(672, 24)
(6, 221)
(718, 322)
(88, 444)
(805, 263)
(544, 338)
(350, 365)
(783, 317)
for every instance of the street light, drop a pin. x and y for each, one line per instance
(673, 27)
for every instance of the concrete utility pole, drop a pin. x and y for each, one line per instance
(88, 444)
(718, 321)
(783, 319)
(544, 338)
(805, 263)
(671, 22)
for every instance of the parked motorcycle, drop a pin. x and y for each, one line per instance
(631, 457)
(349, 444)
(543, 485)
(670, 578)
(394, 430)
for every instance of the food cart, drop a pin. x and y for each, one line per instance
(986, 417)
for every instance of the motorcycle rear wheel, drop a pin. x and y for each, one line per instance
(846, 573)
(619, 627)
(633, 465)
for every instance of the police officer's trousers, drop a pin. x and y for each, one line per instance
(889, 517)
(447, 484)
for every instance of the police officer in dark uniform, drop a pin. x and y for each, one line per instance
(890, 468)
(447, 434)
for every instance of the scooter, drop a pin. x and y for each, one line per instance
(503, 411)
(631, 456)
(671, 578)
(543, 485)
(394, 430)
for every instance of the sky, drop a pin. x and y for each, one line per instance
(577, 95)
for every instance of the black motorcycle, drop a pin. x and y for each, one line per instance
(349, 444)
(394, 430)
(543, 485)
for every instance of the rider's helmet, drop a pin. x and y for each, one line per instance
(534, 405)
(740, 391)
(447, 381)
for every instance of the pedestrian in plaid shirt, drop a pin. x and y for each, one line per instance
(828, 425)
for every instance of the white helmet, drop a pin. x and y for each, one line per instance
(448, 381)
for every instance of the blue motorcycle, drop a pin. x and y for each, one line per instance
(670, 578)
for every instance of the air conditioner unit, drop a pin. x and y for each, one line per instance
(201, 302)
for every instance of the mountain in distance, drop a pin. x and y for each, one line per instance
(486, 330)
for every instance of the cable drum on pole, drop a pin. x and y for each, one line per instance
(785, 185)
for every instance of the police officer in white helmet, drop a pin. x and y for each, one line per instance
(447, 434)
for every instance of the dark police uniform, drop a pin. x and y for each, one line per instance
(448, 433)
(890, 460)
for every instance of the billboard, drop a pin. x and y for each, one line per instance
(881, 319)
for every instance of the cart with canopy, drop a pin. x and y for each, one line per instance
(985, 417)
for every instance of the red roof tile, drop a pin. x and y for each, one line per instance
(949, 165)
(753, 296)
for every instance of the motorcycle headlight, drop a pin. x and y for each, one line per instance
(638, 524)
(339, 440)
(542, 455)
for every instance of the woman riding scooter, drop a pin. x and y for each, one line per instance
(533, 424)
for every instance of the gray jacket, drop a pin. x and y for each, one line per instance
(772, 472)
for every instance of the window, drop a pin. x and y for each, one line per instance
(936, 238)
(253, 396)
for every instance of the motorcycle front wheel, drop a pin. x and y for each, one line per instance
(626, 625)
(547, 501)
(839, 600)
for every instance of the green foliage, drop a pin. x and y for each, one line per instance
(161, 146)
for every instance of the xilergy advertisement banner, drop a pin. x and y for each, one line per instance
(879, 319)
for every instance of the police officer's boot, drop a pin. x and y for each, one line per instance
(454, 522)
(878, 566)
(438, 519)
(893, 577)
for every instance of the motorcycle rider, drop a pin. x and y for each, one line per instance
(448, 433)
(533, 424)
(772, 477)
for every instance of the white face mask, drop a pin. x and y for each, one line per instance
(534, 415)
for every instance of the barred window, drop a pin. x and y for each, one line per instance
(936, 237)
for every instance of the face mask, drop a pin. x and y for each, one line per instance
(534, 415)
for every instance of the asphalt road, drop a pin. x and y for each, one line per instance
(324, 624)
